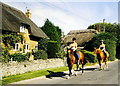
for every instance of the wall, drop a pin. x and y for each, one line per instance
(13, 68)
(31, 43)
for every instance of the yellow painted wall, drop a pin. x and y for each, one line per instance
(30, 43)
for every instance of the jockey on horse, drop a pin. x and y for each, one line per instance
(73, 47)
(102, 47)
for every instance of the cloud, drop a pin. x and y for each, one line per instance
(68, 15)
(66, 19)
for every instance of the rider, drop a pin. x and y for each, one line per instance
(73, 47)
(102, 47)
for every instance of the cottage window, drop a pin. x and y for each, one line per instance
(26, 47)
(22, 28)
(16, 46)
(36, 47)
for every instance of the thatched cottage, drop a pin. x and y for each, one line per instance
(81, 36)
(14, 20)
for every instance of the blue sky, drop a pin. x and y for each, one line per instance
(70, 15)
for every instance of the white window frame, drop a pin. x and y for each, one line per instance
(15, 46)
(22, 28)
(26, 48)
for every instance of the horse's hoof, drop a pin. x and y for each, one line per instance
(75, 74)
(81, 74)
(67, 77)
(51, 78)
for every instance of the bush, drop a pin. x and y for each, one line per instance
(5, 55)
(19, 57)
(89, 56)
(53, 49)
(40, 54)
(61, 54)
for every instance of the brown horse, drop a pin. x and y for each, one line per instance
(71, 60)
(101, 57)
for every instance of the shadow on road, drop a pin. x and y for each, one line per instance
(55, 74)
(87, 69)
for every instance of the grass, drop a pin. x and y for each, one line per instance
(29, 75)
(34, 74)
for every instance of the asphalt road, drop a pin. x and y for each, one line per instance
(92, 75)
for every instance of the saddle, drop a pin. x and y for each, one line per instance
(77, 56)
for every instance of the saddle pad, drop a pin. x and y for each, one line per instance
(78, 55)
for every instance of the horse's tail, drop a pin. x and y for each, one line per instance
(85, 61)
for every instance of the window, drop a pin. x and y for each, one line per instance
(16, 46)
(22, 28)
(26, 47)
(36, 47)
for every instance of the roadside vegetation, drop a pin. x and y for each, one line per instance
(52, 48)
(34, 74)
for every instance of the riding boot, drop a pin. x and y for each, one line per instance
(105, 53)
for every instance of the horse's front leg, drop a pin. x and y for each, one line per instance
(77, 66)
(100, 64)
(70, 68)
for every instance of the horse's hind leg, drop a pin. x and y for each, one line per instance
(82, 68)
(106, 65)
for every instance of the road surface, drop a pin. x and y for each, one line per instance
(92, 75)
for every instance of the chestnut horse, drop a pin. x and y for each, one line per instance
(71, 60)
(101, 57)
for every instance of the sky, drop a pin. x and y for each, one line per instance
(69, 15)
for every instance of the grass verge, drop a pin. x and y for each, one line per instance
(34, 74)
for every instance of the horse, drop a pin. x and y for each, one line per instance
(71, 60)
(101, 57)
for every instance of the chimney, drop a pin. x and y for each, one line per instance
(28, 14)
(98, 27)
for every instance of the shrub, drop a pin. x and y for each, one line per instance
(19, 57)
(40, 54)
(61, 54)
(5, 55)
(53, 49)
(89, 56)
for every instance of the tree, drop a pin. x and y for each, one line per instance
(54, 33)
(113, 29)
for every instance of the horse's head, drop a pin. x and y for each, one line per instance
(96, 51)
(69, 50)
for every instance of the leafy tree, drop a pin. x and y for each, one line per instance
(54, 33)
(113, 29)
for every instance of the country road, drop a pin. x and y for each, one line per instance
(92, 75)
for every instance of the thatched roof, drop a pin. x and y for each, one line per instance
(80, 35)
(12, 18)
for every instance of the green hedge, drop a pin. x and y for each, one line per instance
(53, 49)
(89, 56)
(19, 57)
(40, 54)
